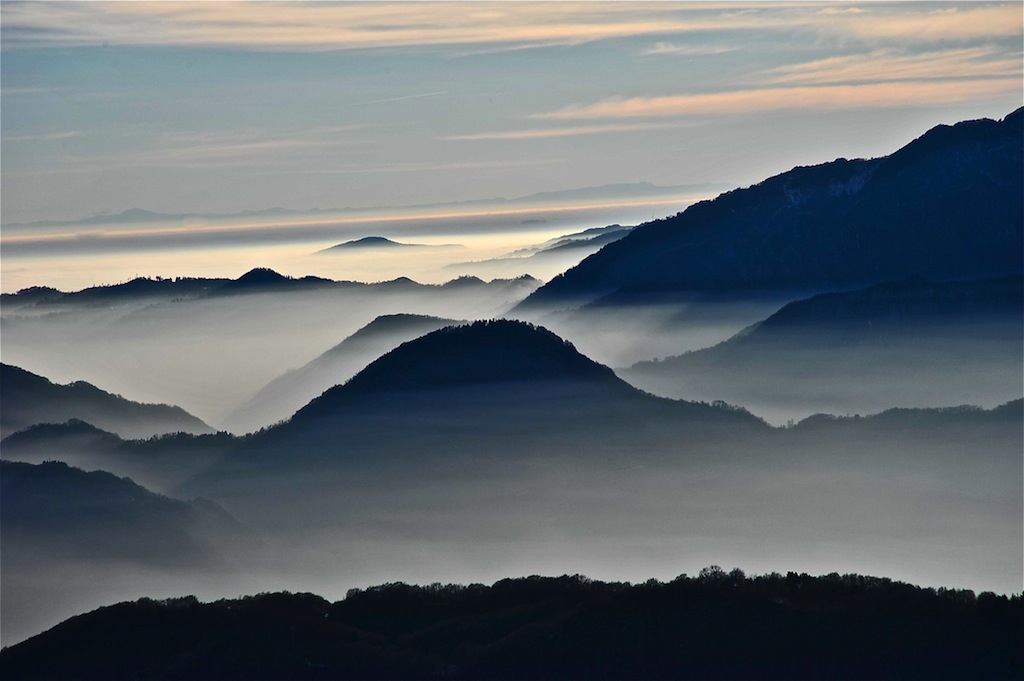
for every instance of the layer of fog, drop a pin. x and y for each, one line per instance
(212, 354)
(71, 260)
(934, 501)
(801, 376)
(620, 335)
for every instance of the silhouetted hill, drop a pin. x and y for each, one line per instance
(262, 280)
(717, 625)
(482, 352)
(911, 343)
(30, 295)
(368, 242)
(287, 393)
(948, 205)
(498, 390)
(158, 463)
(67, 514)
(50, 438)
(493, 370)
(379, 242)
(29, 399)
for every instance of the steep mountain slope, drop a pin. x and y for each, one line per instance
(948, 205)
(29, 399)
(287, 393)
(912, 343)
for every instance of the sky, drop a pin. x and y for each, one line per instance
(223, 107)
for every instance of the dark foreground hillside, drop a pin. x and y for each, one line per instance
(716, 626)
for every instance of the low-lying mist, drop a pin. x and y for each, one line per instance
(210, 355)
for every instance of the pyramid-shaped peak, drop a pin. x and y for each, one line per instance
(261, 275)
(486, 354)
(493, 351)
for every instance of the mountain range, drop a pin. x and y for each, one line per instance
(29, 399)
(256, 280)
(886, 291)
(910, 343)
(946, 206)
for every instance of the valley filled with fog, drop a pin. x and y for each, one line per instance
(628, 418)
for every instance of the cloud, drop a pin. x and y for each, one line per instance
(315, 25)
(545, 133)
(892, 65)
(832, 97)
(333, 26)
(402, 98)
(904, 23)
(428, 167)
(668, 48)
(47, 136)
(221, 148)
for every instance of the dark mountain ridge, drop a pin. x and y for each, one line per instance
(30, 399)
(289, 392)
(717, 625)
(256, 280)
(500, 391)
(67, 512)
(481, 367)
(911, 343)
(948, 205)
(482, 352)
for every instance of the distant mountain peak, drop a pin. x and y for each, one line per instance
(261, 275)
(366, 242)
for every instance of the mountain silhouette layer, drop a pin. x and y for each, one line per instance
(912, 343)
(30, 399)
(287, 393)
(379, 242)
(496, 390)
(948, 205)
(716, 625)
(69, 513)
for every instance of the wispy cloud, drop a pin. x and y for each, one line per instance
(45, 136)
(402, 98)
(427, 167)
(221, 148)
(669, 48)
(316, 25)
(331, 26)
(894, 65)
(545, 133)
(9, 91)
(832, 97)
(940, 22)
